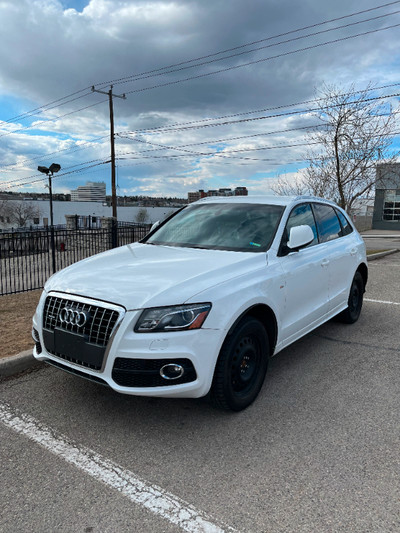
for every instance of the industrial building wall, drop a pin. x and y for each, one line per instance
(387, 198)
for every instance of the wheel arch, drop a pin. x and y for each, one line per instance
(267, 317)
(363, 270)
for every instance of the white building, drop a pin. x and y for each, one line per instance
(87, 210)
(91, 192)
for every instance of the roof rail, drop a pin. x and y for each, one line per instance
(315, 198)
(307, 197)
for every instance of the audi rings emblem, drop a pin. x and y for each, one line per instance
(73, 317)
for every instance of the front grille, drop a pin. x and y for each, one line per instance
(98, 327)
(84, 341)
(146, 372)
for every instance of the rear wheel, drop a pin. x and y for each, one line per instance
(241, 366)
(355, 301)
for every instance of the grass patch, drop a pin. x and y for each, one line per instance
(371, 252)
(16, 312)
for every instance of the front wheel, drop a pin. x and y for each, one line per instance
(355, 301)
(241, 366)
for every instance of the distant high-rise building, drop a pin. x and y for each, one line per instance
(91, 192)
(241, 191)
(193, 196)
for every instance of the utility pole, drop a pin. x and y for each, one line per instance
(113, 185)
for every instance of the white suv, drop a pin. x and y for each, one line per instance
(205, 299)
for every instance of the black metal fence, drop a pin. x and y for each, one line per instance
(28, 258)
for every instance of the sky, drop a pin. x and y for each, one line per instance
(216, 90)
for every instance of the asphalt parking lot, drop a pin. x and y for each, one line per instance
(317, 452)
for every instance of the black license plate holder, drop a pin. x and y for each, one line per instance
(75, 347)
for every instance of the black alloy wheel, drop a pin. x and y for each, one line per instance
(241, 366)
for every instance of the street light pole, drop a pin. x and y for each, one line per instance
(54, 167)
(51, 200)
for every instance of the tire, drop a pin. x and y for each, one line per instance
(241, 366)
(355, 301)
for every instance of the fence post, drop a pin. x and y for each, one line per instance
(114, 232)
(111, 225)
(53, 248)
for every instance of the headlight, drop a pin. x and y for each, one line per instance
(175, 318)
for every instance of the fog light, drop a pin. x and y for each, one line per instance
(171, 371)
(35, 336)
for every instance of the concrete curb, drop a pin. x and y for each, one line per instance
(18, 363)
(380, 236)
(378, 255)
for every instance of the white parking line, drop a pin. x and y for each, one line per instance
(153, 498)
(380, 302)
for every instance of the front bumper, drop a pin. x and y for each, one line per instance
(132, 361)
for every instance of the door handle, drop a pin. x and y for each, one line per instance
(353, 251)
(325, 262)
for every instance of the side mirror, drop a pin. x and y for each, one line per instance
(300, 236)
(155, 225)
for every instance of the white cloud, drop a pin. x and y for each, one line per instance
(56, 48)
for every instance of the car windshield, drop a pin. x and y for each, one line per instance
(243, 227)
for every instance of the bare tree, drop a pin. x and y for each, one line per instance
(142, 216)
(4, 212)
(20, 213)
(3, 207)
(290, 187)
(355, 134)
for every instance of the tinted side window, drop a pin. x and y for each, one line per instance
(328, 223)
(300, 215)
(346, 228)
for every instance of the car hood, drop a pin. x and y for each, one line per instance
(144, 275)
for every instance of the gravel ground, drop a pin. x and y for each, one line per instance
(16, 312)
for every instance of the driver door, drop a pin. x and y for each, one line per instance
(306, 281)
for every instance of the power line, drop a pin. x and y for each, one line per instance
(183, 147)
(163, 129)
(52, 120)
(71, 150)
(222, 154)
(252, 119)
(169, 128)
(161, 69)
(202, 154)
(243, 120)
(143, 75)
(12, 186)
(255, 62)
(243, 113)
(62, 174)
(226, 155)
(229, 151)
(261, 48)
(222, 70)
(41, 109)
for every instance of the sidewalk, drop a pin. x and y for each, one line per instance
(384, 233)
(381, 240)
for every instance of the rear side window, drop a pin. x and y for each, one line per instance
(328, 224)
(346, 227)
